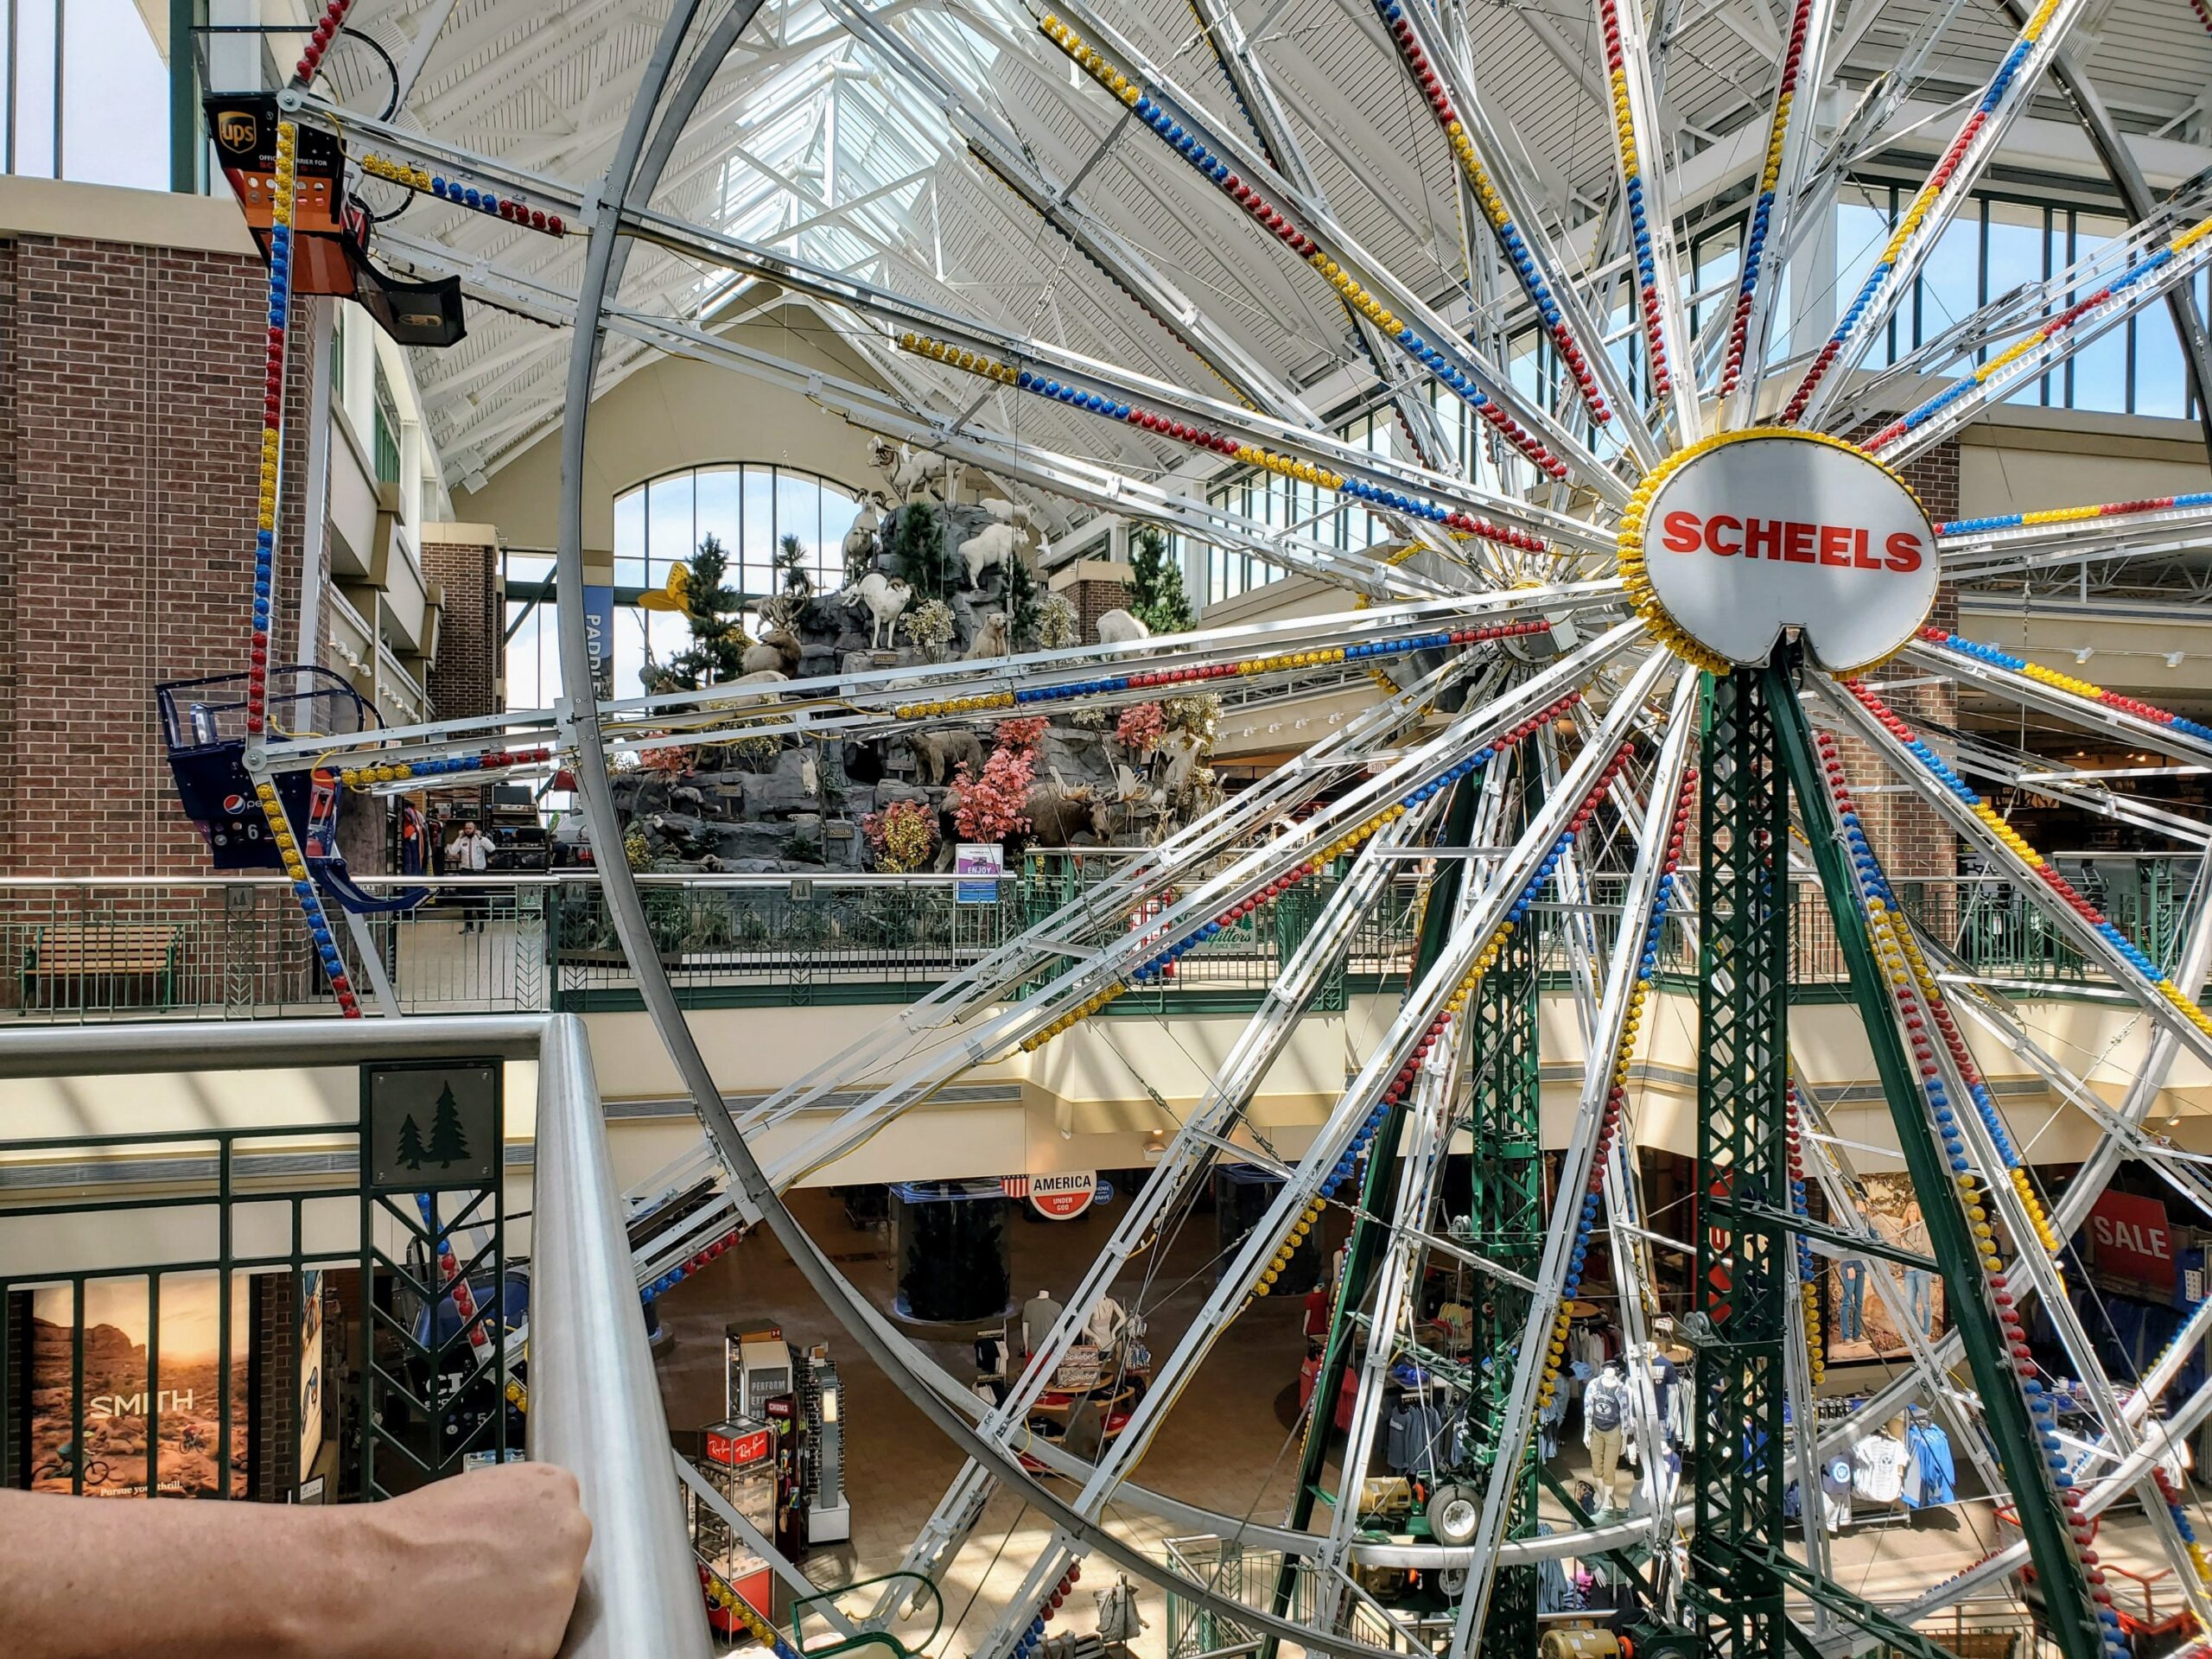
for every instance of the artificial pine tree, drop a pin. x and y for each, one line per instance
(718, 642)
(922, 554)
(1020, 603)
(410, 1143)
(1156, 584)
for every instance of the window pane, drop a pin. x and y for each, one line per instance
(714, 506)
(528, 656)
(1950, 282)
(760, 517)
(630, 540)
(2100, 378)
(838, 511)
(2019, 253)
(2161, 381)
(669, 539)
(1862, 226)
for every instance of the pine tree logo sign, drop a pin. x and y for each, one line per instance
(431, 1126)
(448, 1141)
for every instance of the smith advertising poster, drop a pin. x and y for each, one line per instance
(120, 1399)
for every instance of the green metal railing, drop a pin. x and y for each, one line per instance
(232, 947)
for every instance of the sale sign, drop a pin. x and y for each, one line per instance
(2132, 1240)
(1735, 539)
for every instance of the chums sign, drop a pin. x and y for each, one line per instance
(1741, 537)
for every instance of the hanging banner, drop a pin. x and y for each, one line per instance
(310, 1409)
(2132, 1240)
(599, 635)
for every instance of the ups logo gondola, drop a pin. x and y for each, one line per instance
(236, 130)
(330, 230)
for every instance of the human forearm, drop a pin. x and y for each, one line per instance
(486, 1565)
(86, 1576)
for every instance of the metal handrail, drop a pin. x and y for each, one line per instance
(595, 1405)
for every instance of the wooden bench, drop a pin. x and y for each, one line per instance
(103, 955)
(1978, 1644)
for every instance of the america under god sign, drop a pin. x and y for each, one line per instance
(1768, 531)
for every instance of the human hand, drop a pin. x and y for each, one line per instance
(484, 1563)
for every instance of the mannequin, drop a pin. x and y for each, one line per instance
(1604, 1429)
(1038, 1315)
(1106, 1322)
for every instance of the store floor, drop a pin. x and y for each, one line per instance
(1228, 1443)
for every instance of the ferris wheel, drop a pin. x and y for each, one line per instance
(1637, 645)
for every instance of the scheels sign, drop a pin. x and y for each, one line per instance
(1733, 541)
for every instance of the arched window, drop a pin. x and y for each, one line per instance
(748, 506)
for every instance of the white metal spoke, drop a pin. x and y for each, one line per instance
(1782, 191)
(1575, 1166)
(2165, 1006)
(2003, 98)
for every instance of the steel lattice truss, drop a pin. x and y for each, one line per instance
(1227, 219)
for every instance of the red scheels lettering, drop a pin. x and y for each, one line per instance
(1791, 541)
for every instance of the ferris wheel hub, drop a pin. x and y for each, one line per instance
(1733, 540)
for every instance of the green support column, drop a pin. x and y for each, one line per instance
(2004, 1410)
(184, 95)
(1376, 1194)
(1736, 1465)
(1508, 1217)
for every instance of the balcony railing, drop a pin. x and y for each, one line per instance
(213, 1199)
(216, 948)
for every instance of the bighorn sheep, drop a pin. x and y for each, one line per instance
(910, 471)
(1118, 627)
(938, 756)
(990, 638)
(860, 540)
(886, 598)
(760, 677)
(991, 546)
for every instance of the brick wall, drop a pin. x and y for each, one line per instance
(129, 427)
(1092, 598)
(273, 1383)
(464, 680)
(1909, 836)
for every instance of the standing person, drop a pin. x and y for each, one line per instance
(469, 853)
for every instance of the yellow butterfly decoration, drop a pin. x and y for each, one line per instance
(672, 597)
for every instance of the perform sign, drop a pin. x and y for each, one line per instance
(1731, 541)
